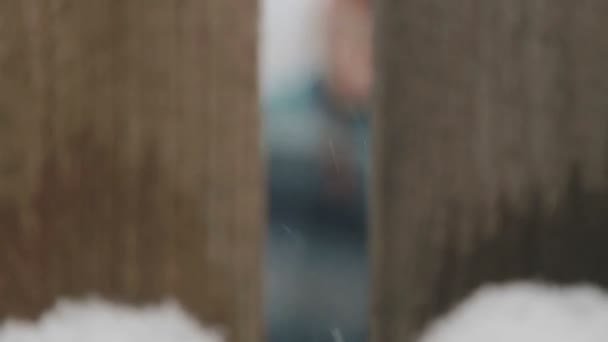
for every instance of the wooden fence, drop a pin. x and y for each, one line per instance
(128, 155)
(129, 159)
(491, 151)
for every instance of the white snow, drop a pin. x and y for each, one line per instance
(526, 312)
(95, 320)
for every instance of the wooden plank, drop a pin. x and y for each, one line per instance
(129, 159)
(491, 151)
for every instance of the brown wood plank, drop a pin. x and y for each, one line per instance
(491, 151)
(129, 155)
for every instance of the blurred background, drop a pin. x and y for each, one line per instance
(315, 86)
(291, 40)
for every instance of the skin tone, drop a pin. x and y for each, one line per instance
(349, 47)
(350, 81)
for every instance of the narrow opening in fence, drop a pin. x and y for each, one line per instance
(316, 80)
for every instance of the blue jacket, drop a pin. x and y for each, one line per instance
(316, 280)
(302, 126)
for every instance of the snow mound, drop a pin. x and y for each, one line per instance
(95, 320)
(526, 312)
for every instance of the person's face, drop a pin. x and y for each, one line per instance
(350, 50)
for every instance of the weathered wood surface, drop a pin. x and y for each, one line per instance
(491, 151)
(129, 155)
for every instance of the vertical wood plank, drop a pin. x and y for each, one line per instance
(491, 151)
(129, 157)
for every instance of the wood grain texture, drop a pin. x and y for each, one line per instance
(491, 151)
(129, 157)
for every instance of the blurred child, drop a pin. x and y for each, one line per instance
(316, 144)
